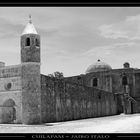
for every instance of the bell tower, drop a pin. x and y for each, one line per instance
(30, 44)
(30, 75)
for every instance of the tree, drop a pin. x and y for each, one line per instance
(50, 75)
(57, 74)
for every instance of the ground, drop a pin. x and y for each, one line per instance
(111, 124)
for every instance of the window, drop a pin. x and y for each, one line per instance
(124, 80)
(99, 96)
(78, 78)
(27, 41)
(95, 82)
(8, 86)
(37, 42)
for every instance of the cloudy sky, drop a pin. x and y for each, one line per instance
(72, 38)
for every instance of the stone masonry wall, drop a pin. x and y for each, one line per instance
(30, 53)
(10, 89)
(136, 106)
(63, 101)
(104, 80)
(118, 87)
(31, 96)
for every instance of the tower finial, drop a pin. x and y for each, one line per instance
(30, 20)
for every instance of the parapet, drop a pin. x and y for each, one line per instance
(2, 64)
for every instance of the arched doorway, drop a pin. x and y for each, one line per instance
(9, 111)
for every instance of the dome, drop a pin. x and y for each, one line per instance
(98, 66)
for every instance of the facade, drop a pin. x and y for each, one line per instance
(29, 97)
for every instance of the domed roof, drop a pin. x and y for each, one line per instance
(98, 66)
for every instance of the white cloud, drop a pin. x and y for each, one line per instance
(108, 31)
(126, 29)
(107, 50)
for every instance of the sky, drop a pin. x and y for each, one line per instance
(72, 38)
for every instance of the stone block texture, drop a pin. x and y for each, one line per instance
(30, 52)
(63, 101)
(10, 90)
(31, 94)
(29, 97)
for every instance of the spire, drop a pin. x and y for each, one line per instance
(29, 28)
(30, 18)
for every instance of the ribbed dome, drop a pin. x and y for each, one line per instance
(98, 66)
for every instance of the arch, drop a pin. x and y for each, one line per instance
(9, 111)
(28, 41)
(9, 103)
(37, 42)
(124, 80)
(94, 82)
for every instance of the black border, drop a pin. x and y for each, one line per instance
(66, 3)
(72, 136)
(44, 136)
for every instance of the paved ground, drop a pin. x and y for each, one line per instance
(112, 124)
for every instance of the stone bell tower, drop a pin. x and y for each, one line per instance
(30, 68)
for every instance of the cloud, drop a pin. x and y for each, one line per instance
(108, 49)
(109, 31)
(9, 29)
(127, 29)
(72, 38)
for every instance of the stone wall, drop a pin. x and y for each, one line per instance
(118, 87)
(6, 114)
(112, 81)
(16, 97)
(10, 89)
(31, 96)
(10, 71)
(104, 80)
(63, 101)
(136, 106)
(30, 53)
(137, 85)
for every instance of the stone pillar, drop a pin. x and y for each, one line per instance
(31, 94)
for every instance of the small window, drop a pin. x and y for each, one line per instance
(37, 42)
(8, 86)
(95, 82)
(124, 81)
(27, 41)
(99, 96)
(79, 78)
